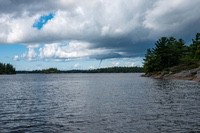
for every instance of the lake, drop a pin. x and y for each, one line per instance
(98, 103)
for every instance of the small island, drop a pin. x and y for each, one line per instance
(172, 58)
(7, 69)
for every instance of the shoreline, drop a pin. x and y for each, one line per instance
(192, 74)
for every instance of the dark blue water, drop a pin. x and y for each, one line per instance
(98, 103)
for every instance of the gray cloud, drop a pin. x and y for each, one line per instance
(120, 28)
(20, 7)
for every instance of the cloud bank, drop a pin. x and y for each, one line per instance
(100, 29)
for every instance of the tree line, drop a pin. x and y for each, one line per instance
(169, 52)
(46, 71)
(7, 69)
(118, 70)
(100, 70)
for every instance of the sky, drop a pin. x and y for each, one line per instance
(89, 34)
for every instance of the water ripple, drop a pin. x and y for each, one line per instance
(100, 103)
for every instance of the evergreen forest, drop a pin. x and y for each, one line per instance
(7, 69)
(170, 52)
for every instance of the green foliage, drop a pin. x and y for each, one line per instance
(195, 48)
(100, 70)
(117, 70)
(50, 70)
(149, 64)
(7, 69)
(169, 52)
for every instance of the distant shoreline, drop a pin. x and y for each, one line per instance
(100, 70)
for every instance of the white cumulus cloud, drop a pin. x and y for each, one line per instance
(73, 49)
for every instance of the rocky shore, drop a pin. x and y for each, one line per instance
(189, 74)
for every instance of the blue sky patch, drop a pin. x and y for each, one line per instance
(43, 20)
